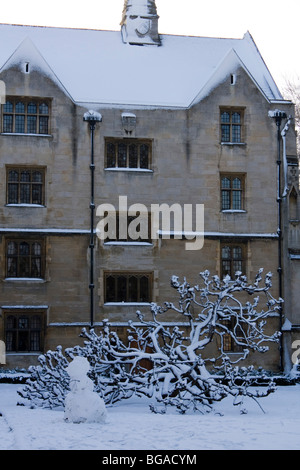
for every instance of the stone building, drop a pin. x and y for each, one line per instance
(181, 120)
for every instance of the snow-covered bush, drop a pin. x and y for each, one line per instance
(171, 364)
(48, 382)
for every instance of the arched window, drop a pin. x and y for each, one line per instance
(231, 126)
(232, 260)
(232, 192)
(293, 205)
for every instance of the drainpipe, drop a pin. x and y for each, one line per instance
(278, 116)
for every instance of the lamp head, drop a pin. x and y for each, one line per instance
(92, 116)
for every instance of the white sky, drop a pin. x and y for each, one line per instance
(274, 24)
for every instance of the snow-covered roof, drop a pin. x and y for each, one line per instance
(95, 66)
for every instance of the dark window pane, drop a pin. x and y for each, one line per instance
(25, 194)
(111, 155)
(11, 322)
(144, 156)
(237, 200)
(122, 155)
(236, 118)
(31, 124)
(121, 289)
(25, 176)
(24, 249)
(37, 176)
(12, 248)
(11, 342)
(144, 289)
(226, 252)
(236, 134)
(133, 289)
(43, 125)
(36, 194)
(236, 184)
(44, 108)
(12, 196)
(7, 123)
(225, 135)
(36, 249)
(23, 341)
(8, 107)
(20, 107)
(225, 183)
(237, 252)
(32, 108)
(35, 322)
(20, 124)
(225, 117)
(225, 200)
(35, 341)
(225, 268)
(35, 267)
(237, 266)
(110, 289)
(13, 175)
(133, 156)
(23, 323)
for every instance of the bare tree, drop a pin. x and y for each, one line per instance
(291, 92)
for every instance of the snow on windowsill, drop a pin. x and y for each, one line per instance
(24, 205)
(233, 211)
(24, 353)
(26, 134)
(233, 143)
(117, 243)
(126, 304)
(130, 170)
(24, 279)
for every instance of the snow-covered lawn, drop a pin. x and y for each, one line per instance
(131, 426)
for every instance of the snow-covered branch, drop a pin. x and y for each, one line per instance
(171, 364)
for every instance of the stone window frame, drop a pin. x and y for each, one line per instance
(236, 262)
(24, 326)
(22, 199)
(112, 162)
(232, 126)
(32, 122)
(231, 190)
(28, 265)
(128, 298)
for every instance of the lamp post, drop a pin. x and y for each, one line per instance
(278, 116)
(92, 117)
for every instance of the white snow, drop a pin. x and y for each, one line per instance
(131, 426)
(193, 65)
(82, 404)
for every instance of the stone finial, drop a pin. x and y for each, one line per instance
(139, 23)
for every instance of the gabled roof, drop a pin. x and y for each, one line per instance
(96, 67)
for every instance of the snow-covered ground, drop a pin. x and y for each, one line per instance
(131, 426)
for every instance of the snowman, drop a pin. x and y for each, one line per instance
(82, 404)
